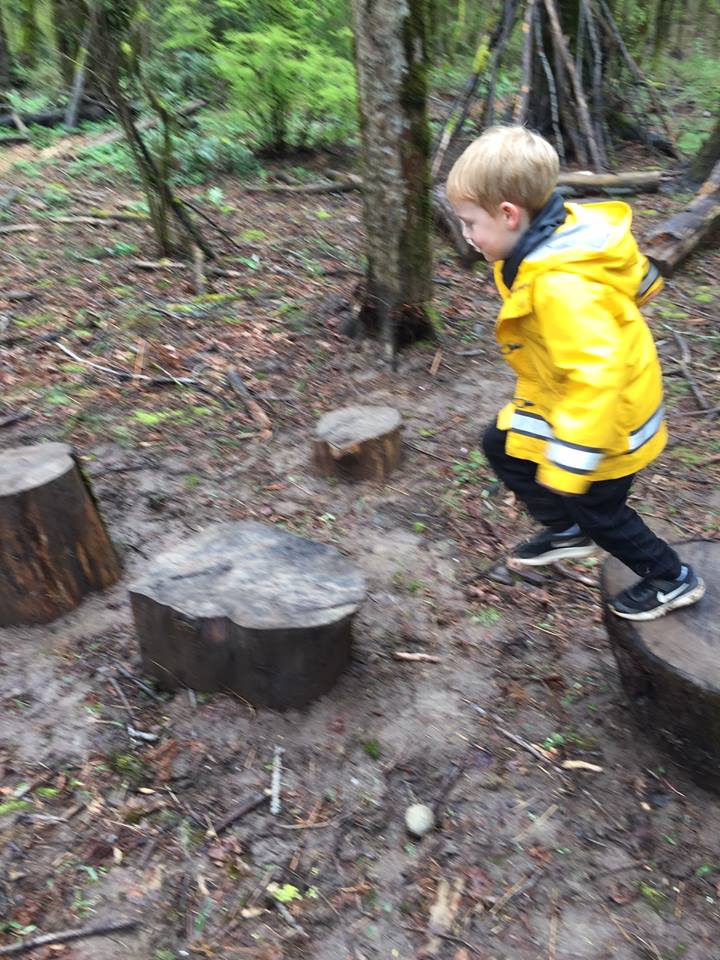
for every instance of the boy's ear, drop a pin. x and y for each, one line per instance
(512, 214)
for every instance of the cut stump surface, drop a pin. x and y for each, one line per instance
(54, 548)
(670, 667)
(358, 443)
(248, 608)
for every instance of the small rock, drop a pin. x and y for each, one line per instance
(419, 819)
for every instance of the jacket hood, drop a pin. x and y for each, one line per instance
(595, 241)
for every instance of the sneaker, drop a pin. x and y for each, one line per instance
(548, 546)
(649, 599)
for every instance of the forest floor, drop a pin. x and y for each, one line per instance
(95, 826)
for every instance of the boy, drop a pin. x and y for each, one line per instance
(587, 412)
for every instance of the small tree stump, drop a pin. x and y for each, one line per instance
(358, 443)
(670, 667)
(249, 608)
(54, 548)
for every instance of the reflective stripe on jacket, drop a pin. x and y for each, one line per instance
(588, 399)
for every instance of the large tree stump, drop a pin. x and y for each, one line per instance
(53, 545)
(358, 443)
(249, 608)
(670, 668)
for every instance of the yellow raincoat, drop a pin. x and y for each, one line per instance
(588, 399)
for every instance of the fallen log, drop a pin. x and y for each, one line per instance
(642, 181)
(675, 239)
(53, 118)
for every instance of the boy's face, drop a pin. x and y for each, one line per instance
(492, 234)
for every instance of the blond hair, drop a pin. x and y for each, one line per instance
(505, 164)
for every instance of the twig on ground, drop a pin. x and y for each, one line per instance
(213, 223)
(684, 360)
(254, 409)
(543, 818)
(513, 737)
(120, 692)
(276, 782)
(139, 683)
(126, 374)
(414, 657)
(521, 886)
(252, 803)
(427, 453)
(65, 936)
(554, 921)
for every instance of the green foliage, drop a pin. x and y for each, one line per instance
(14, 806)
(103, 163)
(293, 92)
(214, 145)
(286, 893)
(372, 749)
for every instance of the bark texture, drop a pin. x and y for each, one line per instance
(54, 548)
(390, 48)
(675, 239)
(670, 668)
(248, 608)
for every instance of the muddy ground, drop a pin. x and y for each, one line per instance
(98, 826)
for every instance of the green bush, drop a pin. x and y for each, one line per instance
(292, 92)
(213, 145)
(103, 163)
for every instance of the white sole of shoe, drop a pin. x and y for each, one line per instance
(562, 553)
(686, 600)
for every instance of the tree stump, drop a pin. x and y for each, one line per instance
(670, 668)
(54, 548)
(248, 608)
(358, 443)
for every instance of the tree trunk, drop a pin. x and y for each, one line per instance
(6, 65)
(78, 84)
(113, 27)
(67, 20)
(29, 33)
(390, 49)
(707, 156)
(53, 545)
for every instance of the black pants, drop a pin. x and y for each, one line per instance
(602, 513)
